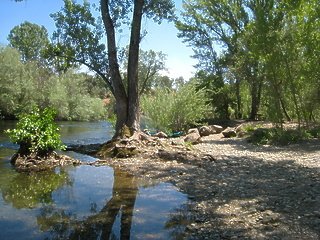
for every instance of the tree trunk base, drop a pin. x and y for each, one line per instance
(126, 145)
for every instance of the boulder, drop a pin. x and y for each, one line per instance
(229, 132)
(193, 136)
(177, 141)
(193, 130)
(216, 129)
(161, 135)
(205, 131)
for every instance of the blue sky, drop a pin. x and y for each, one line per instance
(160, 37)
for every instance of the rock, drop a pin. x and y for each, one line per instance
(193, 130)
(205, 131)
(270, 217)
(216, 129)
(177, 141)
(229, 132)
(161, 135)
(193, 136)
(170, 155)
(121, 151)
(239, 128)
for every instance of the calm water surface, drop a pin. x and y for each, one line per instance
(85, 202)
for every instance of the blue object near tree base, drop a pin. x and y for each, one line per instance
(177, 134)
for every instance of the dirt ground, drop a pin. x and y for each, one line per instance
(237, 190)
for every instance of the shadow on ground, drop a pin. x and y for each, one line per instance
(247, 197)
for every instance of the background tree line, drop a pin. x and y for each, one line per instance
(24, 84)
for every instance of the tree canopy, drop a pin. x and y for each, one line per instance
(268, 49)
(30, 39)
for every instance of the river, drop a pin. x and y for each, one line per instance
(84, 202)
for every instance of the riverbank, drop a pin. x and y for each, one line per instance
(237, 190)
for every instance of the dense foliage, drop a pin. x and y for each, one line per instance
(262, 56)
(30, 39)
(36, 132)
(175, 110)
(26, 84)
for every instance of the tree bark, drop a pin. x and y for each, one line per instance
(133, 120)
(127, 103)
(116, 80)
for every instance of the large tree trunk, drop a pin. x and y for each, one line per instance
(116, 80)
(133, 120)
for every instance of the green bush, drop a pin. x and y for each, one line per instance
(37, 132)
(175, 110)
(262, 136)
(314, 132)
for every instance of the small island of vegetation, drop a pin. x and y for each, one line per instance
(37, 136)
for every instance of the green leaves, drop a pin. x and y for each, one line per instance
(269, 49)
(159, 10)
(30, 39)
(37, 132)
(77, 38)
(173, 111)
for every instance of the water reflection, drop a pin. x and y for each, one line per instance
(133, 208)
(30, 190)
(99, 224)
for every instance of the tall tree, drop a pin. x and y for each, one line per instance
(114, 14)
(30, 39)
(267, 47)
(78, 38)
(207, 23)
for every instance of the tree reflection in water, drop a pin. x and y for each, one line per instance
(35, 191)
(100, 224)
(27, 190)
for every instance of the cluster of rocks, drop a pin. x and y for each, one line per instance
(194, 135)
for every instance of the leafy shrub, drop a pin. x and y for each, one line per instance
(314, 132)
(262, 136)
(37, 132)
(174, 111)
(249, 128)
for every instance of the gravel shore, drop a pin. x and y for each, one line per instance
(237, 190)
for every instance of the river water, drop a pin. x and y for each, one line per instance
(84, 202)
